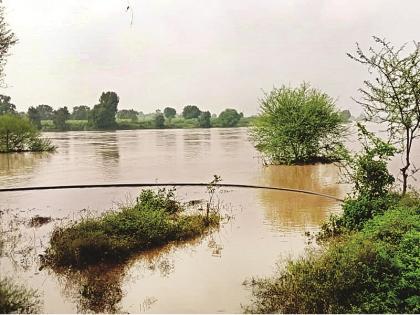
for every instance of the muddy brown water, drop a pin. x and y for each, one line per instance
(201, 276)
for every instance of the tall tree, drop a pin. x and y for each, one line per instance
(393, 97)
(45, 111)
(191, 111)
(204, 119)
(60, 117)
(34, 117)
(229, 118)
(169, 112)
(6, 107)
(103, 114)
(80, 112)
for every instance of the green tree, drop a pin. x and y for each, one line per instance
(159, 120)
(169, 112)
(298, 125)
(345, 115)
(103, 114)
(229, 118)
(34, 117)
(7, 39)
(191, 111)
(80, 112)
(393, 97)
(204, 119)
(60, 116)
(6, 107)
(46, 112)
(128, 114)
(18, 134)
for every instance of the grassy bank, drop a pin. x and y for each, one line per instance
(373, 269)
(154, 220)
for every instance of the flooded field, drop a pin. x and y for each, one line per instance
(204, 275)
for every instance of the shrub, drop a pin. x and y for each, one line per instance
(155, 219)
(298, 125)
(17, 299)
(371, 271)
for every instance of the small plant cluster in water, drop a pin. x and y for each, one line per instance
(155, 219)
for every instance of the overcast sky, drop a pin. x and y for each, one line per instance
(215, 54)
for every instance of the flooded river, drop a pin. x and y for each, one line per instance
(201, 276)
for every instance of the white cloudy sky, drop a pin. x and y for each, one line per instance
(217, 54)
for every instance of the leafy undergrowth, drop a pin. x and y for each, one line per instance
(155, 219)
(374, 270)
(17, 299)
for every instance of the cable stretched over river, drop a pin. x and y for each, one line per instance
(122, 185)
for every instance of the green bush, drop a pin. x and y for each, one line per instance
(374, 270)
(17, 299)
(155, 219)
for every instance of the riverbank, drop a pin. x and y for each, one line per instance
(144, 123)
(374, 270)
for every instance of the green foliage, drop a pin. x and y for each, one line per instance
(159, 120)
(155, 219)
(393, 96)
(298, 125)
(17, 299)
(46, 112)
(345, 115)
(129, 114)
(371, 271)
(17, 134)
(169, 112)
(229, 118)
(191, 111)
(80, 112)
(34, 117)
(204, 119)
(5, 106)
(60, 117)
(103, 114)
(7, 39)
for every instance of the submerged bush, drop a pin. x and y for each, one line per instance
(155, 219)
(374, 270)
(17, 299)
(17, 134)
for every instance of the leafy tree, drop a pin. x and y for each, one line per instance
(298, 125)
(159, 120)
(34, 117)
(7, 39)
(393, 97)
(18, 134)
(60, 116)
(80, 112)
(229, 118)
(128, 114)
(103, 114)
(169, 112)
(5, 106)
(191, 111)
(45, 111)
(204, 119)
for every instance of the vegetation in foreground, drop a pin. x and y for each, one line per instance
(298, 126)
(17, 134)
(17, 299)
(154, 220)
(374, 270)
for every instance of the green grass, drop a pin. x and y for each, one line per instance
(374, 270)
(156, 219)
(17, 299)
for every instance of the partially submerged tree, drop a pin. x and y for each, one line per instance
(298, 125)
(60, 116)
(393, 97)
(103, 114)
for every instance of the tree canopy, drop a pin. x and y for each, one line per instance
(169, 112)
(229, 117)
(103, 114)
(204, 119)
(80, 112)
(393, 97)
(7, 39)
(60, 116)
(297, 125)
(6, 107)
(191, 111)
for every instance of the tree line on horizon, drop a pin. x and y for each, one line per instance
(106, 116)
